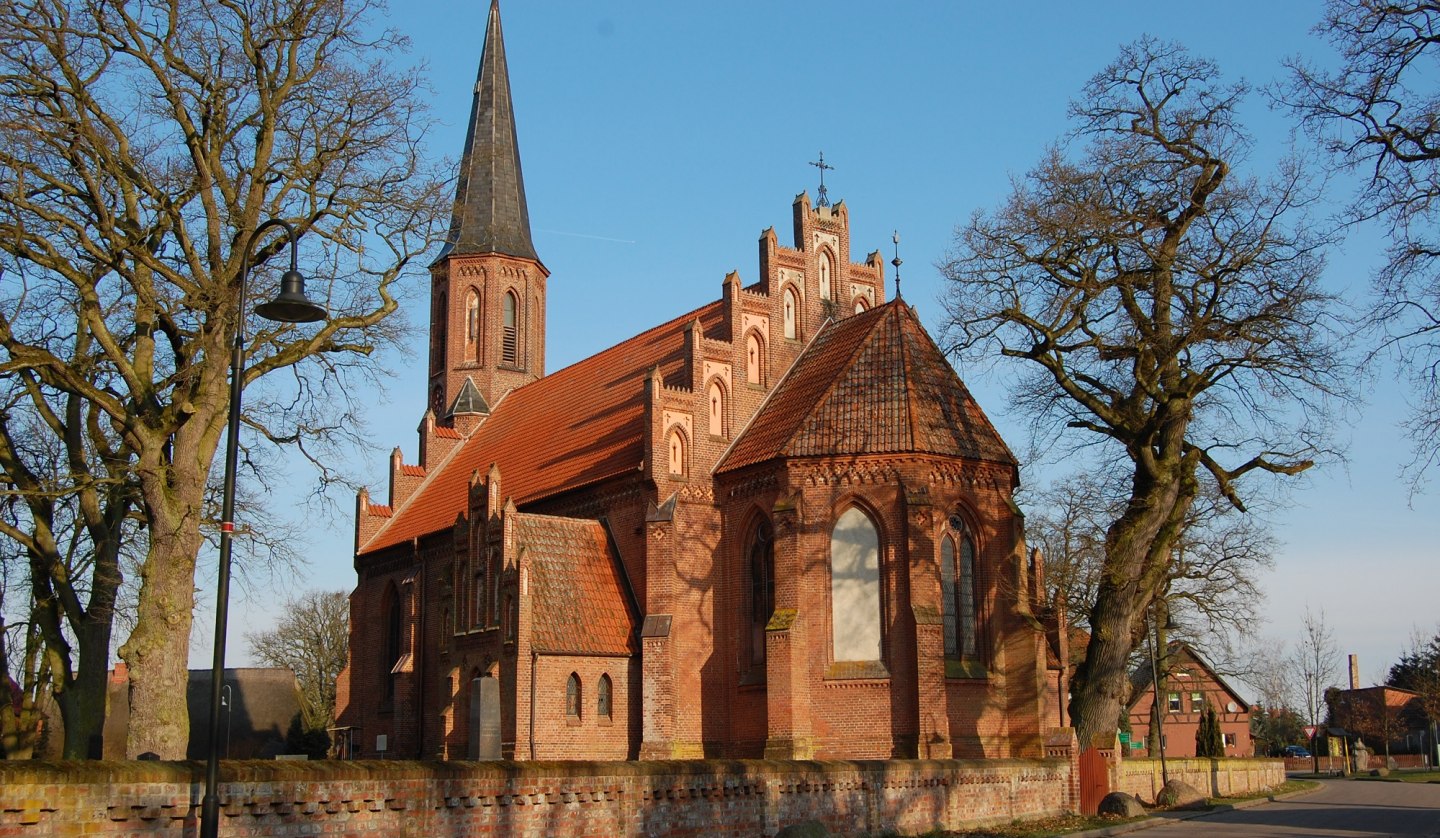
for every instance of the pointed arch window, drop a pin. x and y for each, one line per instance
(754, 359)
(826, 265)
(676, 447)
(760, 568)
(861, 305)
(957, 588)
(602, 698)
(791, 314)
(390, 649)
(716, 399)
(855, 588)
(472, 322)
(510, 337)
(572, 696)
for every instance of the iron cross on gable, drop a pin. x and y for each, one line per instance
(822, 200)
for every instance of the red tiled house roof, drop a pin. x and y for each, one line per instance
(870, 384)
(569, 429)
(581, 602)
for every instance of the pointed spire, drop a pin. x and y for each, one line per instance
(490, 213)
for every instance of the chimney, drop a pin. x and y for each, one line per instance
(1354, 672)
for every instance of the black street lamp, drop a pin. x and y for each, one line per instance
(1159, 711)
(291, 306)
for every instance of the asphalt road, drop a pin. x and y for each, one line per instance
(1345, 808)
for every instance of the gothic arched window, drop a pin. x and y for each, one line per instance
(572, 696)
(390, 654)
(602, 698)
(677, 453)
(855, 587)
(792, 314)
(754, 359)
(760, 568)
(472, 321)
(716, 398)
(825, 268)
(957, 588)
(510, 320)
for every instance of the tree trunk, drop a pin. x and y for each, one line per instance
(1137, 558)
(19, 728)
(83, 702)
(158, 650)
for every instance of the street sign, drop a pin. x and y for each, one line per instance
(1310, 731)
(1124, 737)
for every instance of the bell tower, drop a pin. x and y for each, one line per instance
(487, 310)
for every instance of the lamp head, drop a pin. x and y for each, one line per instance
(291, 305)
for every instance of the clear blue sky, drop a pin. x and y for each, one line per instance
(659, 139)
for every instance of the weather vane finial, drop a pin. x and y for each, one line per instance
(822, 200)
(896, 262)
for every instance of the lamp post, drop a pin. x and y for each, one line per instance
(291, 306)
(1155, 692)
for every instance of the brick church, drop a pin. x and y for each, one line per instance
(775, 526)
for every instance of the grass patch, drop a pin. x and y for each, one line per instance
(1404, 777)
(1286, 787)
(1043, 828)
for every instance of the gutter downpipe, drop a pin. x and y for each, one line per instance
(534, 662)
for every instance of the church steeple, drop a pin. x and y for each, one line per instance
(487, 322)
(490, 213)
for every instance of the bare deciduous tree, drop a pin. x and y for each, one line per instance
(140, 148)
(68, 504)
(1313, 662)
(1165, 304)
(312, 640)
(1377, 114)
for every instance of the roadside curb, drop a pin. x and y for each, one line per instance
(1183, 815)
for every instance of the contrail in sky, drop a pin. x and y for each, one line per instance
(588, 236)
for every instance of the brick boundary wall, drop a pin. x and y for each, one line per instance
(435, 799)
(1213, 777)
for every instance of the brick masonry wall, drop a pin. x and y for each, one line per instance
(1214, 777)
(529, 799)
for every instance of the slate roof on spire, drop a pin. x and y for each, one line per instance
(874, 383)
(490, 214)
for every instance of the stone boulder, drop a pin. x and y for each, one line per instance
(805, 829)
(1178, 794)
(1118, 804)
(1379, 772)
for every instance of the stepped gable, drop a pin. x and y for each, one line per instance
(581, 600)
(569, 429)
(874, 383)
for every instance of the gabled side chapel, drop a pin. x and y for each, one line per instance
(776, 526)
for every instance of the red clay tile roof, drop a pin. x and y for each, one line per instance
(580, 602)
(874, 383)
(568, 429)
(412, 471)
